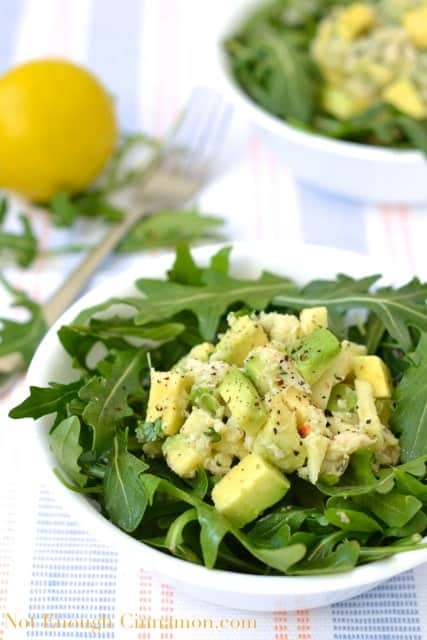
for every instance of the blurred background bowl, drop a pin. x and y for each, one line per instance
(358, 171)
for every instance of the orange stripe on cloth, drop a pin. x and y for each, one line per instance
(145, 600)
(167, 606)
(280, 625)
(303, 625)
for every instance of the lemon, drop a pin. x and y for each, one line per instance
(58, 128)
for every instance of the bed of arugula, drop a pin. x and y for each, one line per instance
(315, 529)
(270, 58)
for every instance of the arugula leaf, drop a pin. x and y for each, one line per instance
(78, 345)
(22, 337)
(107, 395)
(124, 494)
(416, 131)
(64, 442)
(351, 520)
(405, 483)
(167, 229)
(270, 532)
(280, 559)
(208, 302)
(43, 401)
(393, 508)
(410, 416)
(357, 479)
(21, 247)
(175, 535)
(200, 484)
(213, 528)
(396, 308)
(221, 260)
(66, 208)
(417, 524)
(149, 431)
(184, 269)
(118, 327)
(370, 554)
(344, 558)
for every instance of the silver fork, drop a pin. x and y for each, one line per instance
(177, 174)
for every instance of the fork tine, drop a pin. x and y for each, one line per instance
(199, 133)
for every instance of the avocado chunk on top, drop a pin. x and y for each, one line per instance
(415, 25)
(168, 399)
(367, 410)
(356, 19)
(181, 456)
(374, 370)
(243, 401)
(263, 368)
(243, 336)
(278, 441)
(313, 318)
(339, 369)
(247, 489)
(313, 354)
(404, 95)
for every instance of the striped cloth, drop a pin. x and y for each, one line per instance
(151, 53)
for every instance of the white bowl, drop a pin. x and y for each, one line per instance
(255, 593)
(363, 172)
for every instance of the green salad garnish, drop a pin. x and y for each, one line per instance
(350, 70)
(254, 426)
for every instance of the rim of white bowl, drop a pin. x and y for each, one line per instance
(281, 128)
(174, 568)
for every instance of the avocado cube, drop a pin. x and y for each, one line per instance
(316, 446)
(196, 427)
(278, 441)
(314, 318)
(367, 412)
(180, 456)
(415, 25)
(314, 353)
(247, 489)
(356, 19)
(202, 351)
(243, 401)
(375, 371)
(282, 328)
(263, 368)
(168, 399)
(338, 370)
(243, 336)
(404, 95)
(341, 103)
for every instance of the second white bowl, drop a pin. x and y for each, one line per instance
(358, 171)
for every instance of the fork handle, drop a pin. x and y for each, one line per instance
(74, 283)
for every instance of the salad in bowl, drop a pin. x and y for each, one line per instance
(243, 429)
